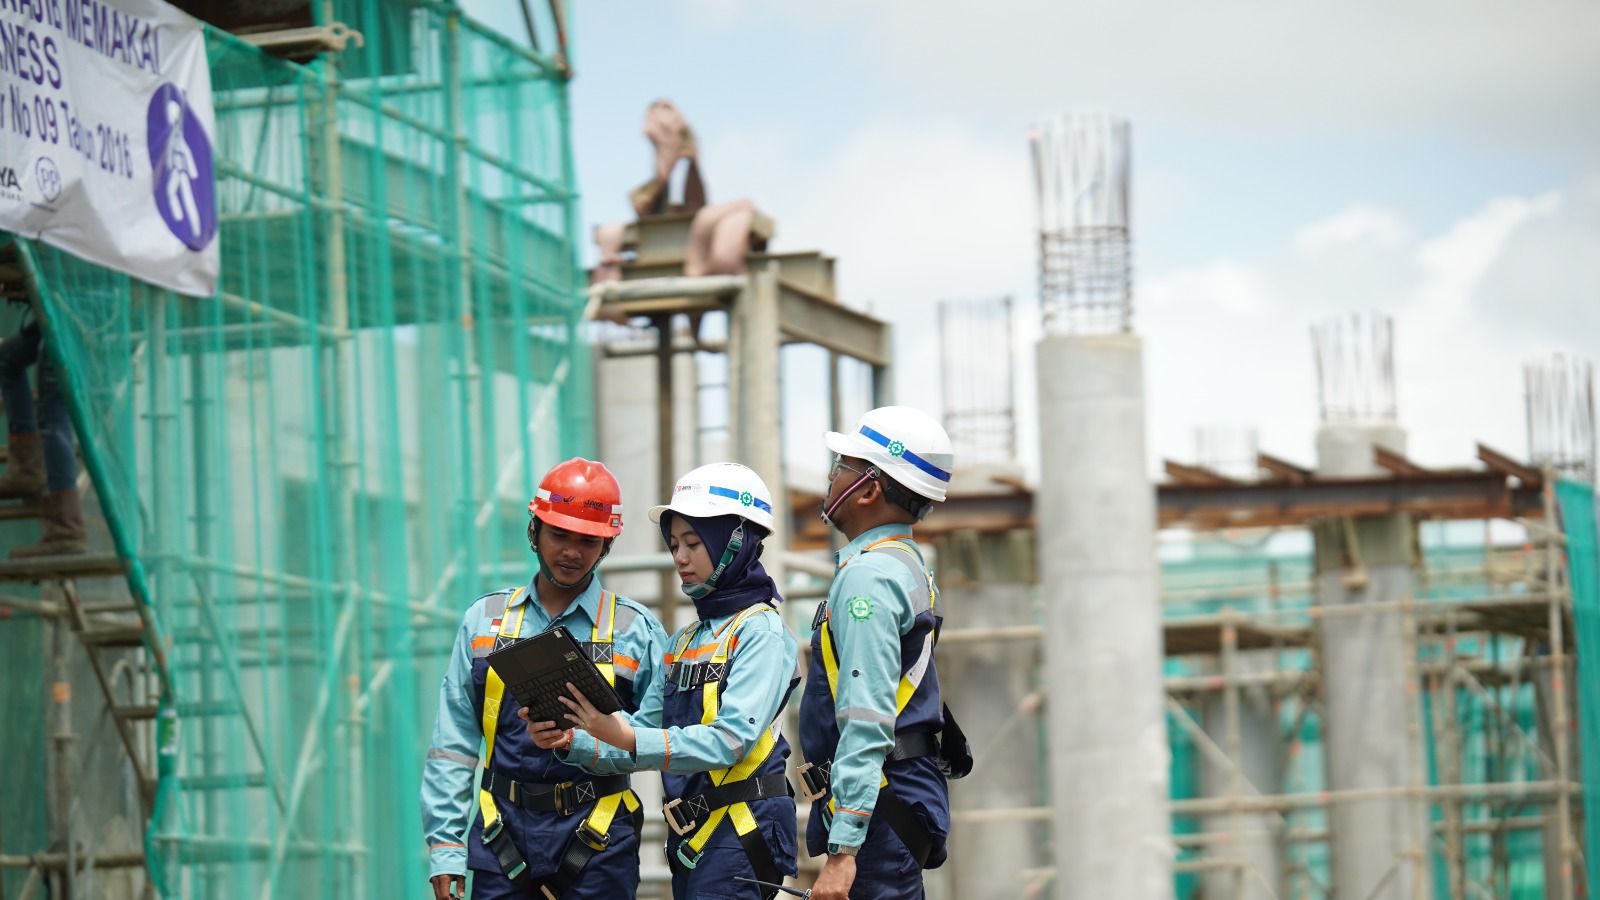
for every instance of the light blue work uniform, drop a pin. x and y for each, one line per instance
(452, 821)
(881, 619)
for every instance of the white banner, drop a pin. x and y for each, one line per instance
(105, 136)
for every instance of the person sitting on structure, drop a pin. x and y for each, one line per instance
(720, 234)
(43, 465)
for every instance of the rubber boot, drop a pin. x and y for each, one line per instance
(24, 476)
(62, 514)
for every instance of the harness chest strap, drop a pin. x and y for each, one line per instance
(744, 820)
(598, 823)
(909, 682)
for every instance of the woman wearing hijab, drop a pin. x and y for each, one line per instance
(711, 724)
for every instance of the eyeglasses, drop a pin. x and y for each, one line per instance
(838, 465)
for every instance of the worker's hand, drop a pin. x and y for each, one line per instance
(546, 735)
(613, 729)
(838, 873)
(449, 887)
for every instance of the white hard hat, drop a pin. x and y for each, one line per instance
(905, 444)
(720, 489)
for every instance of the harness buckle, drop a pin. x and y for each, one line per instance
(685, 861)
(491, 832)
(675, 822)
(685, 676)
(594, 839)
(565, 798)
(813, 782)
(820, 616)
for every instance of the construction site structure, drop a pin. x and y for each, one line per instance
(297, 485)
(1491, 605)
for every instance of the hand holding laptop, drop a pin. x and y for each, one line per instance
(612, 728)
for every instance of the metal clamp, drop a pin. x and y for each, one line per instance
(594, 839)
(813, 782)
(676, 823)
(565, 798)
(687, 862)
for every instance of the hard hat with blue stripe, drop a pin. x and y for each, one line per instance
(720, 489)
(905, 444)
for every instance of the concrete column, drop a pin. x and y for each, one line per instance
(1246, 728)
(757, 426)
(986, 683)
(1372, 730)
(1103, 655)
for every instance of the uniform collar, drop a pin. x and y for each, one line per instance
(869, 537)
(588, 601)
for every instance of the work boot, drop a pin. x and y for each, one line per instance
(24, 476)
(62, 515)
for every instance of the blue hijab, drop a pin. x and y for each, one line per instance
(744, 582)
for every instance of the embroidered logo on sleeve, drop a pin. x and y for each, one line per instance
(860, 607)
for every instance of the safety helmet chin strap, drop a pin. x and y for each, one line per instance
(549, 574)
(868, 475)
(735, 541)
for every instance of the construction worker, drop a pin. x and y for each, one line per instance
(710, 723)
(878, 742)
(43, 464)
(544, 829)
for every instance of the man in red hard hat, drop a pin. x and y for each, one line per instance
(542, 828)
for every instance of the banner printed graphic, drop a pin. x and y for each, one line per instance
(106, 126)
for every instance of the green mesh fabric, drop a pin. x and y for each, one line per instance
(1583, 565)
(1491, 723)
(310, 471)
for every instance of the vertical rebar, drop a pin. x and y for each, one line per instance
(1081, 168)
(976, 378)
(1559, 404)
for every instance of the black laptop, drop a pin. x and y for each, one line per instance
(536, 671)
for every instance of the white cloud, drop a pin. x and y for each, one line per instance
(1458, 367)
(1506, 70)
(1358, 224)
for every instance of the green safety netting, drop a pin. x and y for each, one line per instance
(1492, 721)
(313, 472)
(1583, 564)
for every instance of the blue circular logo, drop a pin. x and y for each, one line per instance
(180, 163)
(48, 177)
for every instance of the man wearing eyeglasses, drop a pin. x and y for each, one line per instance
(878, 742)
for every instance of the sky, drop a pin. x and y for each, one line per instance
(1438, 162)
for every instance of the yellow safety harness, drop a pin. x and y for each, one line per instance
(595, 830)
(815, 777)
(830, 657)
(744, 820)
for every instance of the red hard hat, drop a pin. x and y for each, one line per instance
(580, 495)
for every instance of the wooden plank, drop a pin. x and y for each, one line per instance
(1283, 469)
(1187, 474)
(1385, 458)
(1505, 465)
(51, 568)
